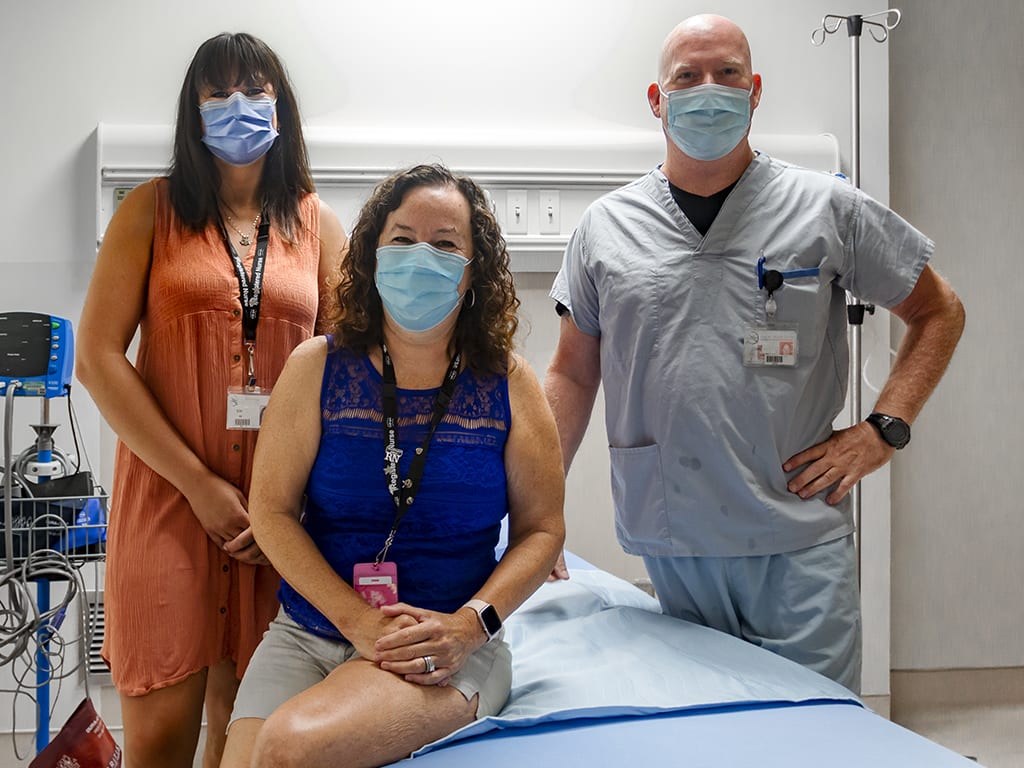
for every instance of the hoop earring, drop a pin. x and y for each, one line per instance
(472, 298)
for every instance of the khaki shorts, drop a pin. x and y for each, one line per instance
(291, 659)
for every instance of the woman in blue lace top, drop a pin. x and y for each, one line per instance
(389, 454)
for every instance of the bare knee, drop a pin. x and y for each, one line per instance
(162, 728)
(283, 743)
(159, 742)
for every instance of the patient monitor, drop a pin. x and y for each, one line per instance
(37, 351)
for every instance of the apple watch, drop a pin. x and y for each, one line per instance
(489, 619)
(894, 430)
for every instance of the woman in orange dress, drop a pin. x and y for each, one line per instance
(221, 267)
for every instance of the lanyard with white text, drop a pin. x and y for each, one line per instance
(250, 292)
(404, 492)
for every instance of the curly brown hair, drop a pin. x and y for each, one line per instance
(486, 324)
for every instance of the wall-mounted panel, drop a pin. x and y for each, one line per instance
(576, 168)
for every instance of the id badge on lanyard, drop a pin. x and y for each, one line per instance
(246, 404)
(377, 582)
(245, 408)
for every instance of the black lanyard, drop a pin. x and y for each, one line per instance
(404, 491)
(250, 292)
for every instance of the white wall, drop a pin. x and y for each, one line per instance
(406, 67)
(958, 158)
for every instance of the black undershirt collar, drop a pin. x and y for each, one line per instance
(701, 211)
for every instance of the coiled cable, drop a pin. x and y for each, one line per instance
(32, 642)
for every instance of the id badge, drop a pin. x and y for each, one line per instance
(377, 584)
(770, 347)
(245, 408)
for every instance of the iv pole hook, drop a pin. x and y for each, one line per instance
(830, 24)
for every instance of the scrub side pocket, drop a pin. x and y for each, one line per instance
(638, 491)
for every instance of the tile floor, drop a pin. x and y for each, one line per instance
(979, 713)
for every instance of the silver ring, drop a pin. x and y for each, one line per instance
(428, 664)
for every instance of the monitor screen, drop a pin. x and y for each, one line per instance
(25, 339)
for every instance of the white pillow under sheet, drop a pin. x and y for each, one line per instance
(596, 646)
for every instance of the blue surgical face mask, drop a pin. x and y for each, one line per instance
(239, 130)
(419, 284)
(707, 121)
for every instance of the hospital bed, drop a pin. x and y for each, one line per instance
(601, 678)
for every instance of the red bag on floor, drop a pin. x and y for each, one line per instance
(83, 742)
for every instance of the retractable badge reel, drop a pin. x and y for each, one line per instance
(771, 343)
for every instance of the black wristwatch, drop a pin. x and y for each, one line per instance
(489, 619)
(894, 430)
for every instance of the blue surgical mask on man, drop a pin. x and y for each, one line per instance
(419, 284)
(239, 130)
(707, 121)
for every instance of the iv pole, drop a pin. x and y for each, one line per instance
(879, 24)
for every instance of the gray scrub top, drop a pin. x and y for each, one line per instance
(697, 440)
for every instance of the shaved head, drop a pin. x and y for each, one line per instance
(710, 55)
(698, 31)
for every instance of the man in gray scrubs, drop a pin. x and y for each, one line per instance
(709, 298)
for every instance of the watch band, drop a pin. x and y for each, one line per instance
(490, 622)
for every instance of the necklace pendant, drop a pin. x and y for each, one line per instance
(244, 240)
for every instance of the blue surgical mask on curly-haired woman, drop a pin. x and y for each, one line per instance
(239, 129)
(419, 284)
(707, 121)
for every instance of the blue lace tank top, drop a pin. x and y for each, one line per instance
(444, 548)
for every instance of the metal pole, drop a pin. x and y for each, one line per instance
(879, 24)
(854, 25)
(44, 455)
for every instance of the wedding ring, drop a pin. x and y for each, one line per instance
(428, 664)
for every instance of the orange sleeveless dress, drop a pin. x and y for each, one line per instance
(174, 602)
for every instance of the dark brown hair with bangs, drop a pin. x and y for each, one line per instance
(486, 324)
(224, 61)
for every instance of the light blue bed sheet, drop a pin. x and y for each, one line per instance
(597, 647)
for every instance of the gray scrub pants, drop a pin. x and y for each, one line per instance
(803, 605)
